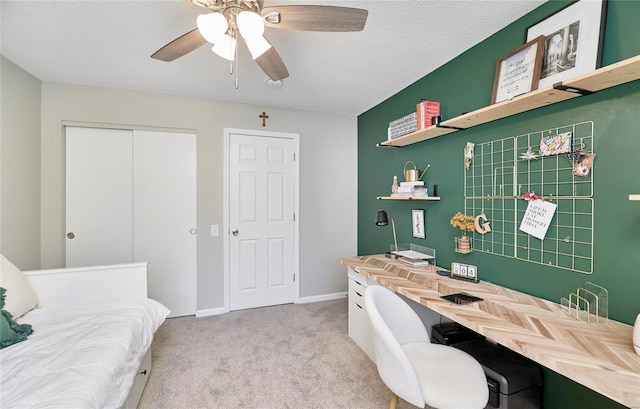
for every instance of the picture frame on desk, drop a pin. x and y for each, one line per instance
(518, 72)
(573, 40)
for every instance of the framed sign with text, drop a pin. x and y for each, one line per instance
(519, 71)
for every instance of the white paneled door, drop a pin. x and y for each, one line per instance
(131, 197)
(262, 175)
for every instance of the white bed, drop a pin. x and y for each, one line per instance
(82, 357)
(90, 348)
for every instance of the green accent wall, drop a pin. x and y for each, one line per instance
(465, 84)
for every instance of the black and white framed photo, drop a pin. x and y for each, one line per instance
(574, 39)
(417, 223)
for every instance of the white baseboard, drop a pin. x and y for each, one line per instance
(303, 300)
(211, 311)
(324, 297)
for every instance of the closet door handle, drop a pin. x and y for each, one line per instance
(193, 231)
(70, 235)
(234, 232)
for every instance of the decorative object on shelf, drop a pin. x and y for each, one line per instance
(402, 126)
(589, 303)
(419, 191)
(464, 272)
(555, 144)
(519, 71)
(413, 175)
(382, 220)
(417, 223)
(394, 186)
(410, 189)
(573, 40)
(425, 112)
(464, 223)
(485, 227)
(584, 164)
(468, 154)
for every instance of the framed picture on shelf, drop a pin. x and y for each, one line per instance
(573, 40)
(519, 71)
(417, 223)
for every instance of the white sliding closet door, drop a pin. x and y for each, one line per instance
(164, 205)
(131, 197)
(99, 191)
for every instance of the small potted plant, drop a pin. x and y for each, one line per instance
(464, 223)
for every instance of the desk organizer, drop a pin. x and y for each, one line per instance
(414, 255)
(589, 303)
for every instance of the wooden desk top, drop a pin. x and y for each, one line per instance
(598, 356)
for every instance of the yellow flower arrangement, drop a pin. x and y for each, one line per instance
(463, 222)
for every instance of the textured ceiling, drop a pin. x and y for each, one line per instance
(109, 43)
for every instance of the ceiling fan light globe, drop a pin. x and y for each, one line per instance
(212, 26)
(250, 24)
(257, 46)
(225, 47)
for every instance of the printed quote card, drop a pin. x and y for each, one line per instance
(537, 218)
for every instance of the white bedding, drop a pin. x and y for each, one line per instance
(82, 357)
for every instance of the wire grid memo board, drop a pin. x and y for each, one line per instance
(496, 181)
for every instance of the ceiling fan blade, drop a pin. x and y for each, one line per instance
(315, 18)
(180, 46)
(272, 65)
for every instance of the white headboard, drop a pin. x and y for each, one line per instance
(64, 287)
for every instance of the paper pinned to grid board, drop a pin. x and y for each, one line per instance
(537, 218)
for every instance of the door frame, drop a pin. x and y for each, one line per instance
(225, 208)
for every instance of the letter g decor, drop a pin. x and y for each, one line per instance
(486, 226)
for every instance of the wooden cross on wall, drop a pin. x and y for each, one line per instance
(264, 117)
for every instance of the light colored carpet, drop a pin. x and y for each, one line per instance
(289, 356)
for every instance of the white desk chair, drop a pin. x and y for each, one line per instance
(415, 369)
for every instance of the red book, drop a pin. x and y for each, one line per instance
(425, 111)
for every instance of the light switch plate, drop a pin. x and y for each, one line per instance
(215, 230)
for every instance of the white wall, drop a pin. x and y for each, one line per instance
(19, 166)
(328, 180)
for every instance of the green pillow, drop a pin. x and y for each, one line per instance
(10, 331)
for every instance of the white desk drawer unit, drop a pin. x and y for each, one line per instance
(359, 329)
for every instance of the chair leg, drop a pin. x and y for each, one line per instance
(394, 401)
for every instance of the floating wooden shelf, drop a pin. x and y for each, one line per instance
(433, 198)
(634, 197)
(606, 77)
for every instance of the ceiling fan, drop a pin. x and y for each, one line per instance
(231, 19)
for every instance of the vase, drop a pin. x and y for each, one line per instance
(463, 244)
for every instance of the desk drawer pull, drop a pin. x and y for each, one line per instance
(359, 306)
(357, 293)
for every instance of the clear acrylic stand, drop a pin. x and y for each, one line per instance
(589, 304)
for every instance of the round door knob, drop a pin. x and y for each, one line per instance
(234, 232)
(70, 235)
(193, 231)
